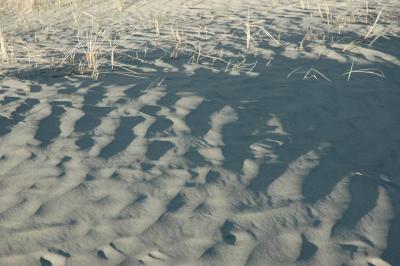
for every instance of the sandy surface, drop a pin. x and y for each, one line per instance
(191, 146)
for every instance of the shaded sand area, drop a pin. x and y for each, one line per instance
(200, 133)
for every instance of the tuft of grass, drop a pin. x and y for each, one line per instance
(178, 42)
(92, 46)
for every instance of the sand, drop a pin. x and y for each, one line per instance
(189, 146)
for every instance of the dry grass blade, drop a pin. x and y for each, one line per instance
(270, 35)
(373, 26)
(351, 69)
(3, 47)
(302, 4)
(313, 70)
(157, 26)
(293, 71)
(372, 71)
(248, 30)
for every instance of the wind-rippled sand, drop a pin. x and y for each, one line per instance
(195, 165)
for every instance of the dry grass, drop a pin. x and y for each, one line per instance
(248, 31)
(4, 54)
(97, 51)
(24, 6)
(93, 49)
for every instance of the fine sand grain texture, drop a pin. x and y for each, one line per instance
(213, 132)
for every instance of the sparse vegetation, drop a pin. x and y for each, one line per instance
(26, 6)
(205, 47)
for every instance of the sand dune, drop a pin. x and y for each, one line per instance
(193, 146)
